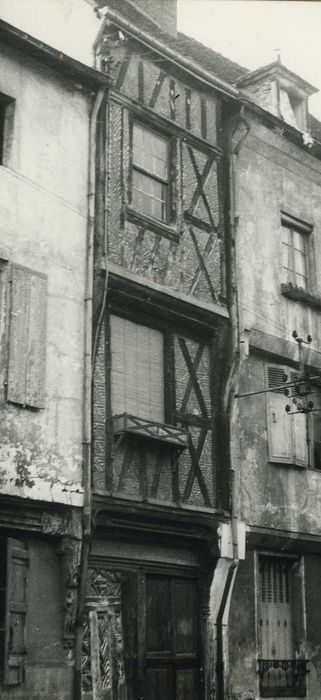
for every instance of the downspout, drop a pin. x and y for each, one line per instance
(232, 381)
(87, 400)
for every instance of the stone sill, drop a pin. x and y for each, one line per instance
(290, 291)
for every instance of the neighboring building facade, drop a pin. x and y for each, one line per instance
(274, 624)
(45, 105)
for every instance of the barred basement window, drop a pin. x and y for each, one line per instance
(150, 185)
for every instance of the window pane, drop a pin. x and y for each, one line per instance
(298, 240)
(150, 152)
(286, 251)
(149, 195)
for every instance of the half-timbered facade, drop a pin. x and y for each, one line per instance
(161, 336)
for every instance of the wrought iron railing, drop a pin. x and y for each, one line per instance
(283, 678)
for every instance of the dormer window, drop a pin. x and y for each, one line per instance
(279, 91)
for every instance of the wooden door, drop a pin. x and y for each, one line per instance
(173, 658)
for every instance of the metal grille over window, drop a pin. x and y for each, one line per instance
(150, 173)
(280, 672)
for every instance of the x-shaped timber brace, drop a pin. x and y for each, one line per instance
(301, 388)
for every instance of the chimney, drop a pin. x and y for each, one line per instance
(162, 12)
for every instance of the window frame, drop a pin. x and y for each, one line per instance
(164, 135)
(304, 229)
(7, 109)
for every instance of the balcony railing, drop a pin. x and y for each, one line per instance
(283, 678)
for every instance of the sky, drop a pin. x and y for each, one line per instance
(246, 31)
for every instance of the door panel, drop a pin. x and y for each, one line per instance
(186, 685)
(184, 617)
(172, 639)
(158, 614)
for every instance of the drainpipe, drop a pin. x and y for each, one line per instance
(87, 401)
(243, 128)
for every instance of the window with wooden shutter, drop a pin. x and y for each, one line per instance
(16, 608)
(137, 375)
(279, 423)
(282, 674)
(287, 433)
(27, 337)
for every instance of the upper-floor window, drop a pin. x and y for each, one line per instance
(137, 379)
(295, 248)
(150, 186)
(6, 127)
(295, 437)
(294, 256)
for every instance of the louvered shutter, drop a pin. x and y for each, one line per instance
(275, 611)
(137, 376)
(299, 433)
(27, 337)
(279, 422)
(16, 608)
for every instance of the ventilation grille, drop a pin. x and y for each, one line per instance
(275, 581)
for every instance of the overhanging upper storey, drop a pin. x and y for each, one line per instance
(281, 92)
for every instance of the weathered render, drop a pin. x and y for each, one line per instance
(275, 453)
(45, 104)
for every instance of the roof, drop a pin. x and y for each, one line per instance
(276, 68)
(75, 70)
(212, 61)
(206, 58)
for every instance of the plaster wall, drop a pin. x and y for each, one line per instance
(43, 223)
(282, 497)
(275, 175)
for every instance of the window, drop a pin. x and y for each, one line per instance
(294, 252)
(282, 673)
(150, 187)
(137, 384)
(6, 126)
(293, 438)
(27, 337)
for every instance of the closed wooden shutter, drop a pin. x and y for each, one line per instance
(27, 337)
(137, 377)
(279, 422)
(16, 608)
(275, 619)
